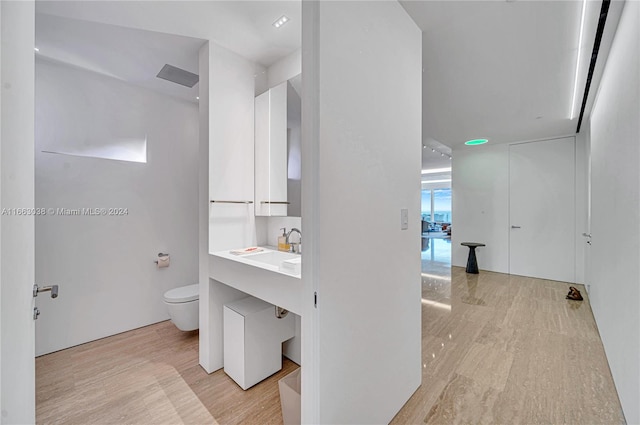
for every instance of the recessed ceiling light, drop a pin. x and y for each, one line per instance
(36, 49)
(197, 97)
(280, 21)
(476, 142)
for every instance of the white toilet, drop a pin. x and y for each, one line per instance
(182, 304)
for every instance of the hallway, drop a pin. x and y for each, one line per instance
(498, 348)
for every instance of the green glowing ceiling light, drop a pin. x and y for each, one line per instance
(476, 142)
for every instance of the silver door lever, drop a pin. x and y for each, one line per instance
(52, 288)
(515, 227)
(586, 235)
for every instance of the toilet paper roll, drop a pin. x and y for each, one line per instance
(163, 261)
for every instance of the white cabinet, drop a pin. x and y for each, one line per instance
(271, 152)
(253, 338)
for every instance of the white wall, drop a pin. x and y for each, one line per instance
(285, 69)
(269, 229)
(361, 166)
(1, 364)
(480, 206)
(104, 264)
(231, 128)
(230, 102)
(615, 210)
(17, 367)
(582, 205)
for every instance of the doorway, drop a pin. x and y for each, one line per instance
(436, 228)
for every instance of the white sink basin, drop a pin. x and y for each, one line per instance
(274, 258)
(269, 259)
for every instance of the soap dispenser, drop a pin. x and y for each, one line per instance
(282, 240)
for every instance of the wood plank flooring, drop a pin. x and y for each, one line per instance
(496, 349)
(147, 376)
(505, 349)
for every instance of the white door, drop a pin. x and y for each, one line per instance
(586, 235)
(542, 209)
(17, 336)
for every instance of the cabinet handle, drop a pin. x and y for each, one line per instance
(231, 202)
(275, 202)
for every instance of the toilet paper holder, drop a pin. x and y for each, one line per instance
(160, 255)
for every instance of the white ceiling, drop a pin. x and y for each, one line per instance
(130, 55)
(133, 40)
(244, 27)
(501, 70)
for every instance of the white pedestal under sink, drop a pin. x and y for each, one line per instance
(253, 338)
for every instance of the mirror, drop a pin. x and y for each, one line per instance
(278, 128)
(294, 146)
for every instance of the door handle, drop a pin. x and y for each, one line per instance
(586, 235)
(53, 288)
(515, 227)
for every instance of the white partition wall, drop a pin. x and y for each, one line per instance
(226, 117)
(17, 364)
(615, 210)
(231, 162)
(362, 77)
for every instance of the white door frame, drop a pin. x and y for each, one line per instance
(17, 266)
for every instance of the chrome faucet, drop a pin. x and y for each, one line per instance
(292, 246)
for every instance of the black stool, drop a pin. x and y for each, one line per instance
(472, 262)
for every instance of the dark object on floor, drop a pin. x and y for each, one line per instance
(574, 294)
(472, 262)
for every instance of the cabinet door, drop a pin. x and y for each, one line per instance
(271, 152)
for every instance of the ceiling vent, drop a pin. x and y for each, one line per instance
(178, 76)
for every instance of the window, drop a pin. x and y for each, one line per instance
(436, 206)
(426, 205)
(442, 205)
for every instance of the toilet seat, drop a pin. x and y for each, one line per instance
(183, 294)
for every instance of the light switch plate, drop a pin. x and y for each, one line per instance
(404, 219)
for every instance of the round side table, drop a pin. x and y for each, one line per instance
(472, 262)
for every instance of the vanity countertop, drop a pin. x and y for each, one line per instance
(261, 276)
(268, 258)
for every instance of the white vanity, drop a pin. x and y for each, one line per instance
(253, 189)
(253, 331)
(264, 275)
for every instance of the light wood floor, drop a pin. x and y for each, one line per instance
(148, 376)
(496, 349)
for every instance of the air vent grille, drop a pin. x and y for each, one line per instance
(178, 76)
